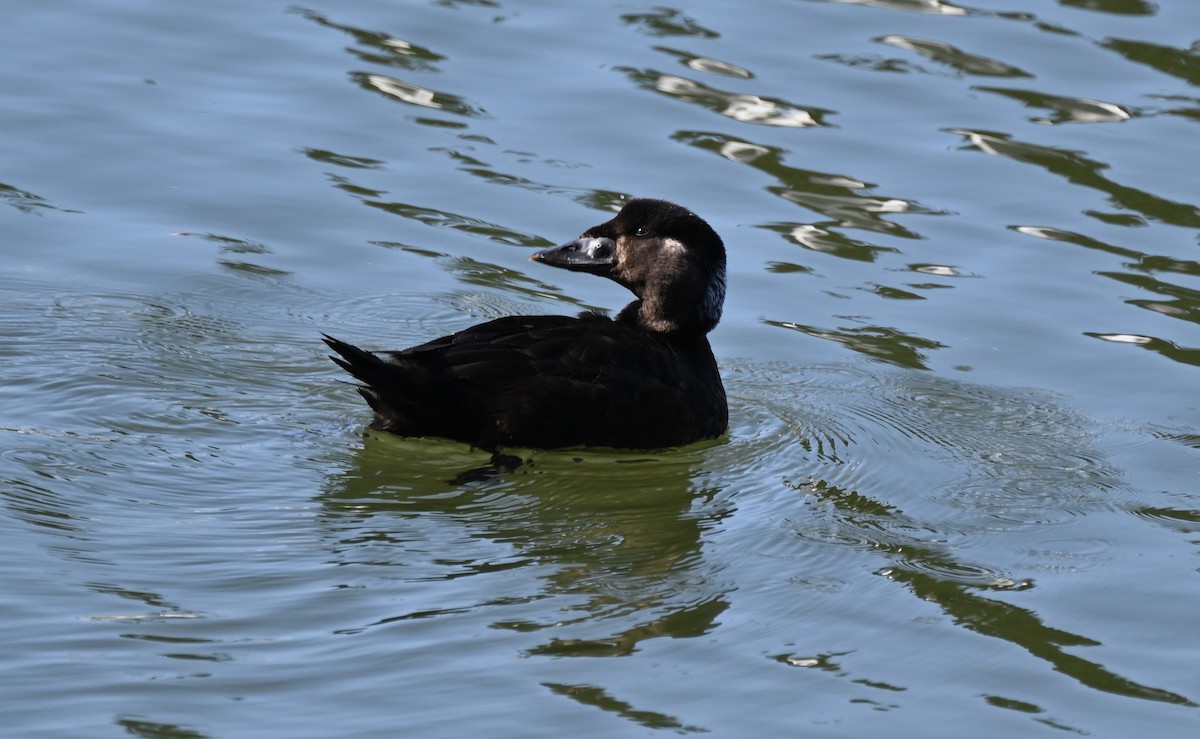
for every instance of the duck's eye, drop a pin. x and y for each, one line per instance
(641, 231)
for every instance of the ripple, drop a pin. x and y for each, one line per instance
(1076, 168)
(668, 22)
(944, 53)
(382, 48)
(976, 576)
(846, 201)
(1065, 109)
(27, 202)
(707, 64)
(1169, 349)
(933, 7)
(1059, 555)
(743, 107)
(407, 92)
(459, 222)
(923, 471)
(1183, 517)
(596, 697)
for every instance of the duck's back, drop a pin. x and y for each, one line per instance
(544, 382)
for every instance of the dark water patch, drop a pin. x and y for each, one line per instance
(417, 95)
(1064, 109)
(590, 695)
(996, 461)
(1181, 63)
(342, 160)
(931, 7)
(826, 241)
(1116, 7)
(459, 222)
(956, 59)
(621, 561)
(741, 107)
(873, 63)
(990, 617)
(1185, 521)
(1191, 111)
(27, 202)
(878, 342)
(707, 64)
(1143, 270)
(846, 201)
(491, 174)
(381, 48)
(1184, 303)
(145, 728)
(1076, 168)
(1164, 347)
(1013, 704)
(893, 293)
(668, 22)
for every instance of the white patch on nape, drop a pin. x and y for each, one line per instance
(711, 305)
(674, 246)
(714, 296)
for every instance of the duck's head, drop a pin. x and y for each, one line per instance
(668, 256)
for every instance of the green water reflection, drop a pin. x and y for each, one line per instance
(619, 536)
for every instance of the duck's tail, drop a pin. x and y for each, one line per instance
(410, 397)
(361, 364)
(383, 384)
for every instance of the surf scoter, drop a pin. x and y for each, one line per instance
(645, 379)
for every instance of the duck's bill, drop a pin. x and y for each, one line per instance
(588, 254)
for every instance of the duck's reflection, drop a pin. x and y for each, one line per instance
(615, 538)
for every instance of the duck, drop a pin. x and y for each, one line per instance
(645, 379)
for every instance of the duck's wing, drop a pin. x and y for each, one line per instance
(542, 381)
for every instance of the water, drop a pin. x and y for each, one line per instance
(959, 493)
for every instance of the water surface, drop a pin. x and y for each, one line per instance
(960, 487)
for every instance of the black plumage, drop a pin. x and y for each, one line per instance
(642, 380)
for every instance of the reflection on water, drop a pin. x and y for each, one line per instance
(668, 22)
(878, 342)
(707, 64)
(383, 49)
(1077, 169)
(928, 480)
(959, 60)
(1181, 63)
(837, 197)
(416, 95)
(1123, 7)
(617, 537)
(1182, 302)
(972, 462)
(198, 539)
(936, 7)
(742, 107)
(458, 222)
(590, 695)
(1001, 620)
(25, 201)
(1065, 109)
(139, 727)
